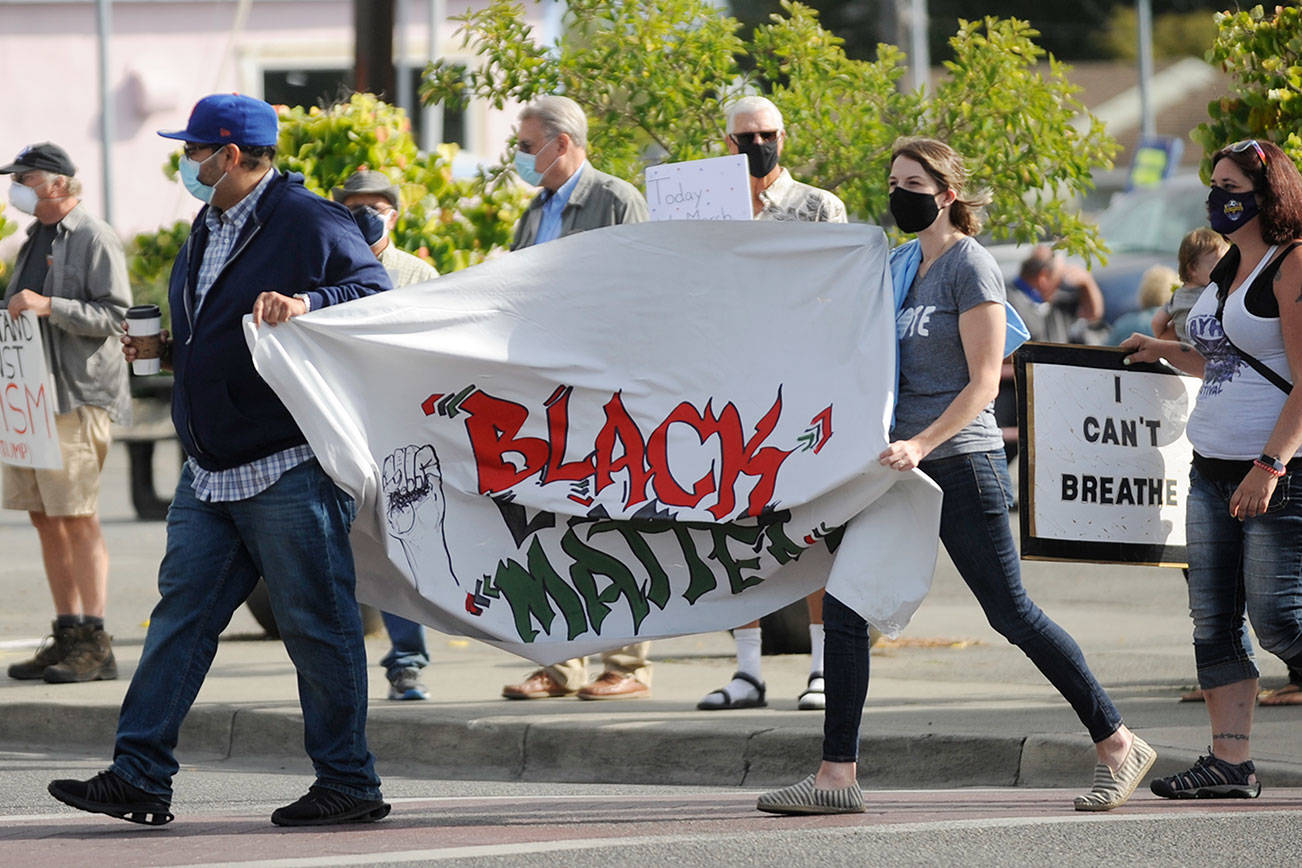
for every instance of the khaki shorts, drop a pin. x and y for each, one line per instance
(74, 490)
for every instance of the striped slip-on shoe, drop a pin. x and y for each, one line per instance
(805, 798)
(1112, 790)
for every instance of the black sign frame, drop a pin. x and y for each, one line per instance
(1047, 549)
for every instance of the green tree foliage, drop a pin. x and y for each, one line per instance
(7, 228)
(450, 222)
(654, 77)
(1263, 55)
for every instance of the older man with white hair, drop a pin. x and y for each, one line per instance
(553, 154)
(755, 128)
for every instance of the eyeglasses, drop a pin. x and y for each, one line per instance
(191, 148)
(764, 136)
(1240, 147)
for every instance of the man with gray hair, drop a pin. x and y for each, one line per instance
(72, 275)
(553, 154)
(553, 140)
(755, 128)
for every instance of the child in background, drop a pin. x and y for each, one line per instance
(1155, 287)
(1200, 250)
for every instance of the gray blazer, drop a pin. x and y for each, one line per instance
(89, 296)
(597, 200)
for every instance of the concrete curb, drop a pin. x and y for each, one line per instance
(584, 749)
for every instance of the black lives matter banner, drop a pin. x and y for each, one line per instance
(1105, 468)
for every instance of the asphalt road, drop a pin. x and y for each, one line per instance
(222, 819)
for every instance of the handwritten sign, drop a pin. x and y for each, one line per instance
(713, 189)
(28, 437)
(1106, 470)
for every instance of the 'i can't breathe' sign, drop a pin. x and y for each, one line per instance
(1106, 469)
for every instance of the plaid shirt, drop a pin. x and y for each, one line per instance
(243, 482)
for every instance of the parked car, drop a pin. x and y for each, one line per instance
(1142, 228)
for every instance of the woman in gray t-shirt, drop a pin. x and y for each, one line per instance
(951, 331)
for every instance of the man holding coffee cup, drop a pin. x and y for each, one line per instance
(72, 275)
(252, 499)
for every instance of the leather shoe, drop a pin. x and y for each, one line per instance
(539, 685)
(614, 685)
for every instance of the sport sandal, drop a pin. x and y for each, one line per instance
(717, 700)
(1112, 790)
(805, 798)
(813, 699)
(1210, 778)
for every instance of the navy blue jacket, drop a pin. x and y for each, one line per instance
(294, 242)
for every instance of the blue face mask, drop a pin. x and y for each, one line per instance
(371, 222)
(525, 166)
(189, 171)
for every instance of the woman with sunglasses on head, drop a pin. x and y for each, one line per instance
(1243, 522)
(951, 330)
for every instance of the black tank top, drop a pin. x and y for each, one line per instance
(1260, 299)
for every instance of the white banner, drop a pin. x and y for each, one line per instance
(640, 431)
(28, 437)
(717, 188)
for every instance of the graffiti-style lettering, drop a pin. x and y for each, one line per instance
(505, 457)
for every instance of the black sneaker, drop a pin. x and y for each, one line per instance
(106, 793)
(404, 683)
(323, 807)
(1210, 778)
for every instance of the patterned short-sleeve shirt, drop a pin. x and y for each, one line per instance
(788, 199)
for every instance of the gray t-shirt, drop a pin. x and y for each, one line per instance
(933, 369)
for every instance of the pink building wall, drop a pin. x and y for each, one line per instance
(163, 56)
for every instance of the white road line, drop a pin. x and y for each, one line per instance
(535, 847)
(10, 644)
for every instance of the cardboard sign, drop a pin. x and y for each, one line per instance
(1105, 468)
(713, 189)
(28, 437)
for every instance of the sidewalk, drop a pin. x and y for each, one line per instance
(950, 704)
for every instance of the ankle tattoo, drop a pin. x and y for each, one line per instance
(1230, 736)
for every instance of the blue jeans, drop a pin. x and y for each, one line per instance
(1253, 565)
(974, 530)
(408, 644)
(294, 533)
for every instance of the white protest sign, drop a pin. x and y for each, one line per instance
(713, 189)
(28, 437)
(1107, 470)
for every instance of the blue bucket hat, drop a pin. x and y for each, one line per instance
(230, 118)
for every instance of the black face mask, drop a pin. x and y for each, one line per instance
(912, 211)
(761, 157)
(1228, 211)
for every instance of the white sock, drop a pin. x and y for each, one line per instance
(815, 649)
(748, 652)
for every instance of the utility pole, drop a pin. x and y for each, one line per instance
(104, 21)
(373, 48)
(1147, 126)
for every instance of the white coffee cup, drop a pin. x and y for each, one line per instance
(144, 324)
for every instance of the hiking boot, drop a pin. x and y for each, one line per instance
(323, 807)
(106, 793)
(90, 658)
(1210, 778)
(52, 651)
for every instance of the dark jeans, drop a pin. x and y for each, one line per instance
(407, 648)
(294, 533)
(974, 530)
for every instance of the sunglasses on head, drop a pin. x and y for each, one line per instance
(1240, 147)
(764, 136)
